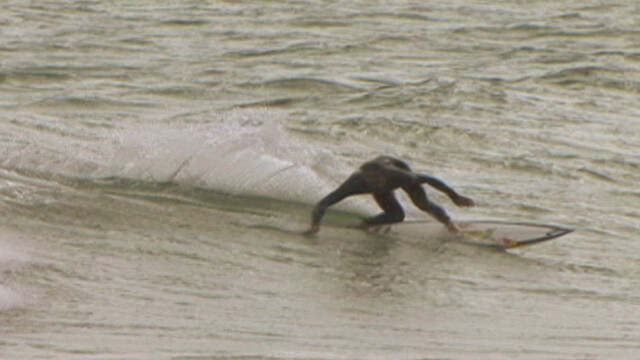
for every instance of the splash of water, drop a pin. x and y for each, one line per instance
(10, 261)
(248, 154)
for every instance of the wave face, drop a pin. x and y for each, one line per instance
(234, 157)
(248, 153)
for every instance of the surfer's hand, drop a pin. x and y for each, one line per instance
(464, 201)
(313, 229)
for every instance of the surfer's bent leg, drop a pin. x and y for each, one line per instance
(419, 198)
(393, 212)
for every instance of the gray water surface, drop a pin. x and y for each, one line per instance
(151, 150)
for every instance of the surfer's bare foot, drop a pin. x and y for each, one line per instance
(453, 228)
(365, 227)
(374, 229)
(378, 229)
(507, 242)
(362, 226)
(311, 230)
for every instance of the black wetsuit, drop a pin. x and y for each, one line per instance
(380, 177)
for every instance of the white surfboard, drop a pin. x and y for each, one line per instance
(499, 234)
(493, 233)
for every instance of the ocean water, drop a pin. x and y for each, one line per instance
(151, 150)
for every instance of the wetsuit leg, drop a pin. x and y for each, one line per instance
(419, 198)
(393, 212)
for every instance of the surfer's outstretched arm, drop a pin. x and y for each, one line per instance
(443, 187)
(352, 186)
(419, 198)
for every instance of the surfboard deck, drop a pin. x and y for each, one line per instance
(499, 234)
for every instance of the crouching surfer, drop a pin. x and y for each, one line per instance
(380, 177)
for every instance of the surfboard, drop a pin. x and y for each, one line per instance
(491, 233)
(499, 234)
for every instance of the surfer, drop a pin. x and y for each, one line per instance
(380, 177)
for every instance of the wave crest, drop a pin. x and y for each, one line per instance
(242, 156)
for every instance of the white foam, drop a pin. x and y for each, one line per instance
(248, 154)
(9, 299)
(10, 261)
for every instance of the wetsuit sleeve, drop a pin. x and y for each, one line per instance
(352, 186)
(438, 185)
